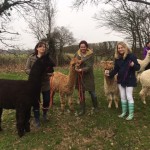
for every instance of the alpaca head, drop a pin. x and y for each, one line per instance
(73, 62)
(48, 63)
(107, 65)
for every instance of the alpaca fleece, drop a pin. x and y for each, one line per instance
(22, 94)
(110, 84)
(64, 84)
(145, 82)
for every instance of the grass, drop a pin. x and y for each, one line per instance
(94, 131)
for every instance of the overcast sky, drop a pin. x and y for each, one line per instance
(80, 23)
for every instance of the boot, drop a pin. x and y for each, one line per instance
(131, 111)
(124, 109)
(95, 103)
(45, 119)
(37, 118)
(82, 111)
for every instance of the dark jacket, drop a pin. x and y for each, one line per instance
(126, 74)
(87, 67)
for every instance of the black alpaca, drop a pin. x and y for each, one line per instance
(21, 94)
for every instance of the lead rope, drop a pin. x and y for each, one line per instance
(80, 85)
(126, 73)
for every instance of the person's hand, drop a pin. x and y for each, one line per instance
(106, 72)
(132, 64)
(78, 70)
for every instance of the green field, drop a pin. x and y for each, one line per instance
(93, 131)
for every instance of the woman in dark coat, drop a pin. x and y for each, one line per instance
(125, 66)
(85, 76)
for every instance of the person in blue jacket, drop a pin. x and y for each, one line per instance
(125, 67)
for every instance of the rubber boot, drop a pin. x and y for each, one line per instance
(82, 111)
(45, 119)
(37, 118)
(124, 109)
(131, 111)
(94, 101)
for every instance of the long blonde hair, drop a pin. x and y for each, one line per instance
(127, 50)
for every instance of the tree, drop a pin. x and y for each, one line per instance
(62, 37)
(130, 20)
(7, 8)
(41, 24)
(78, 3)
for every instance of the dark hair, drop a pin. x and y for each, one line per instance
(147, 43)
(38, 45)
(83, 42)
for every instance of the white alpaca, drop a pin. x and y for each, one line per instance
(143, 63)
(145, 82)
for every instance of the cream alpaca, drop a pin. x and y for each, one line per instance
(64, 84)
(145, 82)
(110, 85)
(145, 62)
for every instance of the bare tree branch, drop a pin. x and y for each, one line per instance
(81, 3)
(140, 1)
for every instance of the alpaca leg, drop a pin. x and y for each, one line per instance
(143, 95)
(20, 117)
(52, 93)
(109, 101)
(27, 120)
(1, 111)
(62, 101)
(70, 103)
(116, 99)
(36, 111)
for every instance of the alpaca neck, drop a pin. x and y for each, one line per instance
(147, 59)
(108, 80)
(35, 75)
(71, 77)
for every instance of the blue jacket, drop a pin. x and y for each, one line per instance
(126, 74)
